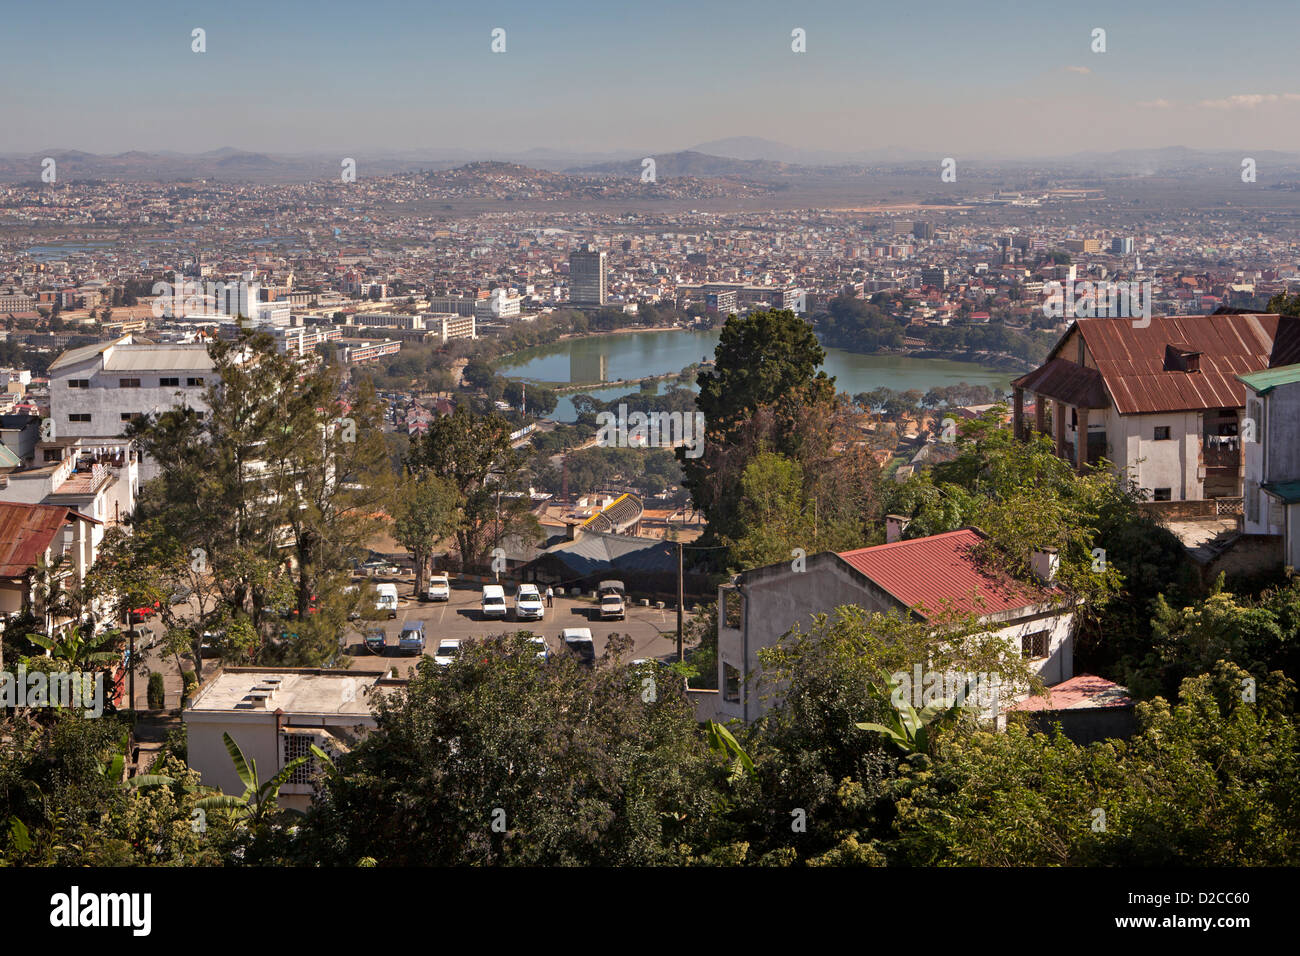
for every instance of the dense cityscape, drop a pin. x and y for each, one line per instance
(773, 502)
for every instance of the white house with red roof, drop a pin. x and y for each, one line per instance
(922, 577)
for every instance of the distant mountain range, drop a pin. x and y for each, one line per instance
(745, 157)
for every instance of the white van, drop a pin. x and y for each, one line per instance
(386, 598)
(528, 603)
(494, 601)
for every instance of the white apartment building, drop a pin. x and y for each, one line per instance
(275, 715)
(96, 390)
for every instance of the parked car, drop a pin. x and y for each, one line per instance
(577, 640)
(528, 603)
(494, 601)
(543, 652)
(439, 588)
(411, 639)
(611, 606)
(386, 599)
(447, 650)
(376, 640)
(141, 614)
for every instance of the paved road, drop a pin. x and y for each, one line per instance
(654, 632)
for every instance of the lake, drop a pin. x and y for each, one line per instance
(637, 354)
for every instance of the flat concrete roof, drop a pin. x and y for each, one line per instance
(296, 691)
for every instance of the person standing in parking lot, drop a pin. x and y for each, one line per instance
(550, 596)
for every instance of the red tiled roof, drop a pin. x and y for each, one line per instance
(26, 532)
(942, 567)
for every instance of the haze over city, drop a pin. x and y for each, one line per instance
(998, 79)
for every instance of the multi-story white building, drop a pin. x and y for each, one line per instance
(1160, 401)
(96, 390)
(919, 578)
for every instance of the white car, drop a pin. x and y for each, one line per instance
(611, 606)
(447, 650)
(386, 599)
(543, 652)
(528, 603)
(439, 588)
(494, 601)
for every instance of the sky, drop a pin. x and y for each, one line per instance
(992, 78)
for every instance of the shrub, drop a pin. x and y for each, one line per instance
(157, 695)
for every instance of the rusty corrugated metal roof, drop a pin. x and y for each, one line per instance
(1132, 360)
(1068, 382)
(26, 532)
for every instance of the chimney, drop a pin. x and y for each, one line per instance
(895, 525)
(1044, 562)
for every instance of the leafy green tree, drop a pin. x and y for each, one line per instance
(425, 510)
(469, 450)
(504, 759)
(1210, 781)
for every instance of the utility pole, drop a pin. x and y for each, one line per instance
(681, 630)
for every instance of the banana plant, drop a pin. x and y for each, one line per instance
(75, 650)
(112, 769)
(908, 729)
(722, 741)
(258, 801)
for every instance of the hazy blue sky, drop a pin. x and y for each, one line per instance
(980, 77)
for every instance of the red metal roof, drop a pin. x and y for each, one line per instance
(1132, 360)
(26, 532)
(926, 572)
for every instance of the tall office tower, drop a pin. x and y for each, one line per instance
(587, 274)
(1121, 246)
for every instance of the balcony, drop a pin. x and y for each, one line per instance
(1221, 451)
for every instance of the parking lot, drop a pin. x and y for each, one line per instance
(653, 631)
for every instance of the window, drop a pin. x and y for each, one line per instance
(733, 610)
(79, 417)
(130, 416)
(295, 746)
(169, 383)
(1033, 646)
(1162, 494)
(128, 383)
(78, 383)
(1162, 433)
(730, 684)
(193, 381)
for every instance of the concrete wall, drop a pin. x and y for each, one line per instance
(1171, 464)
(1247, 556)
